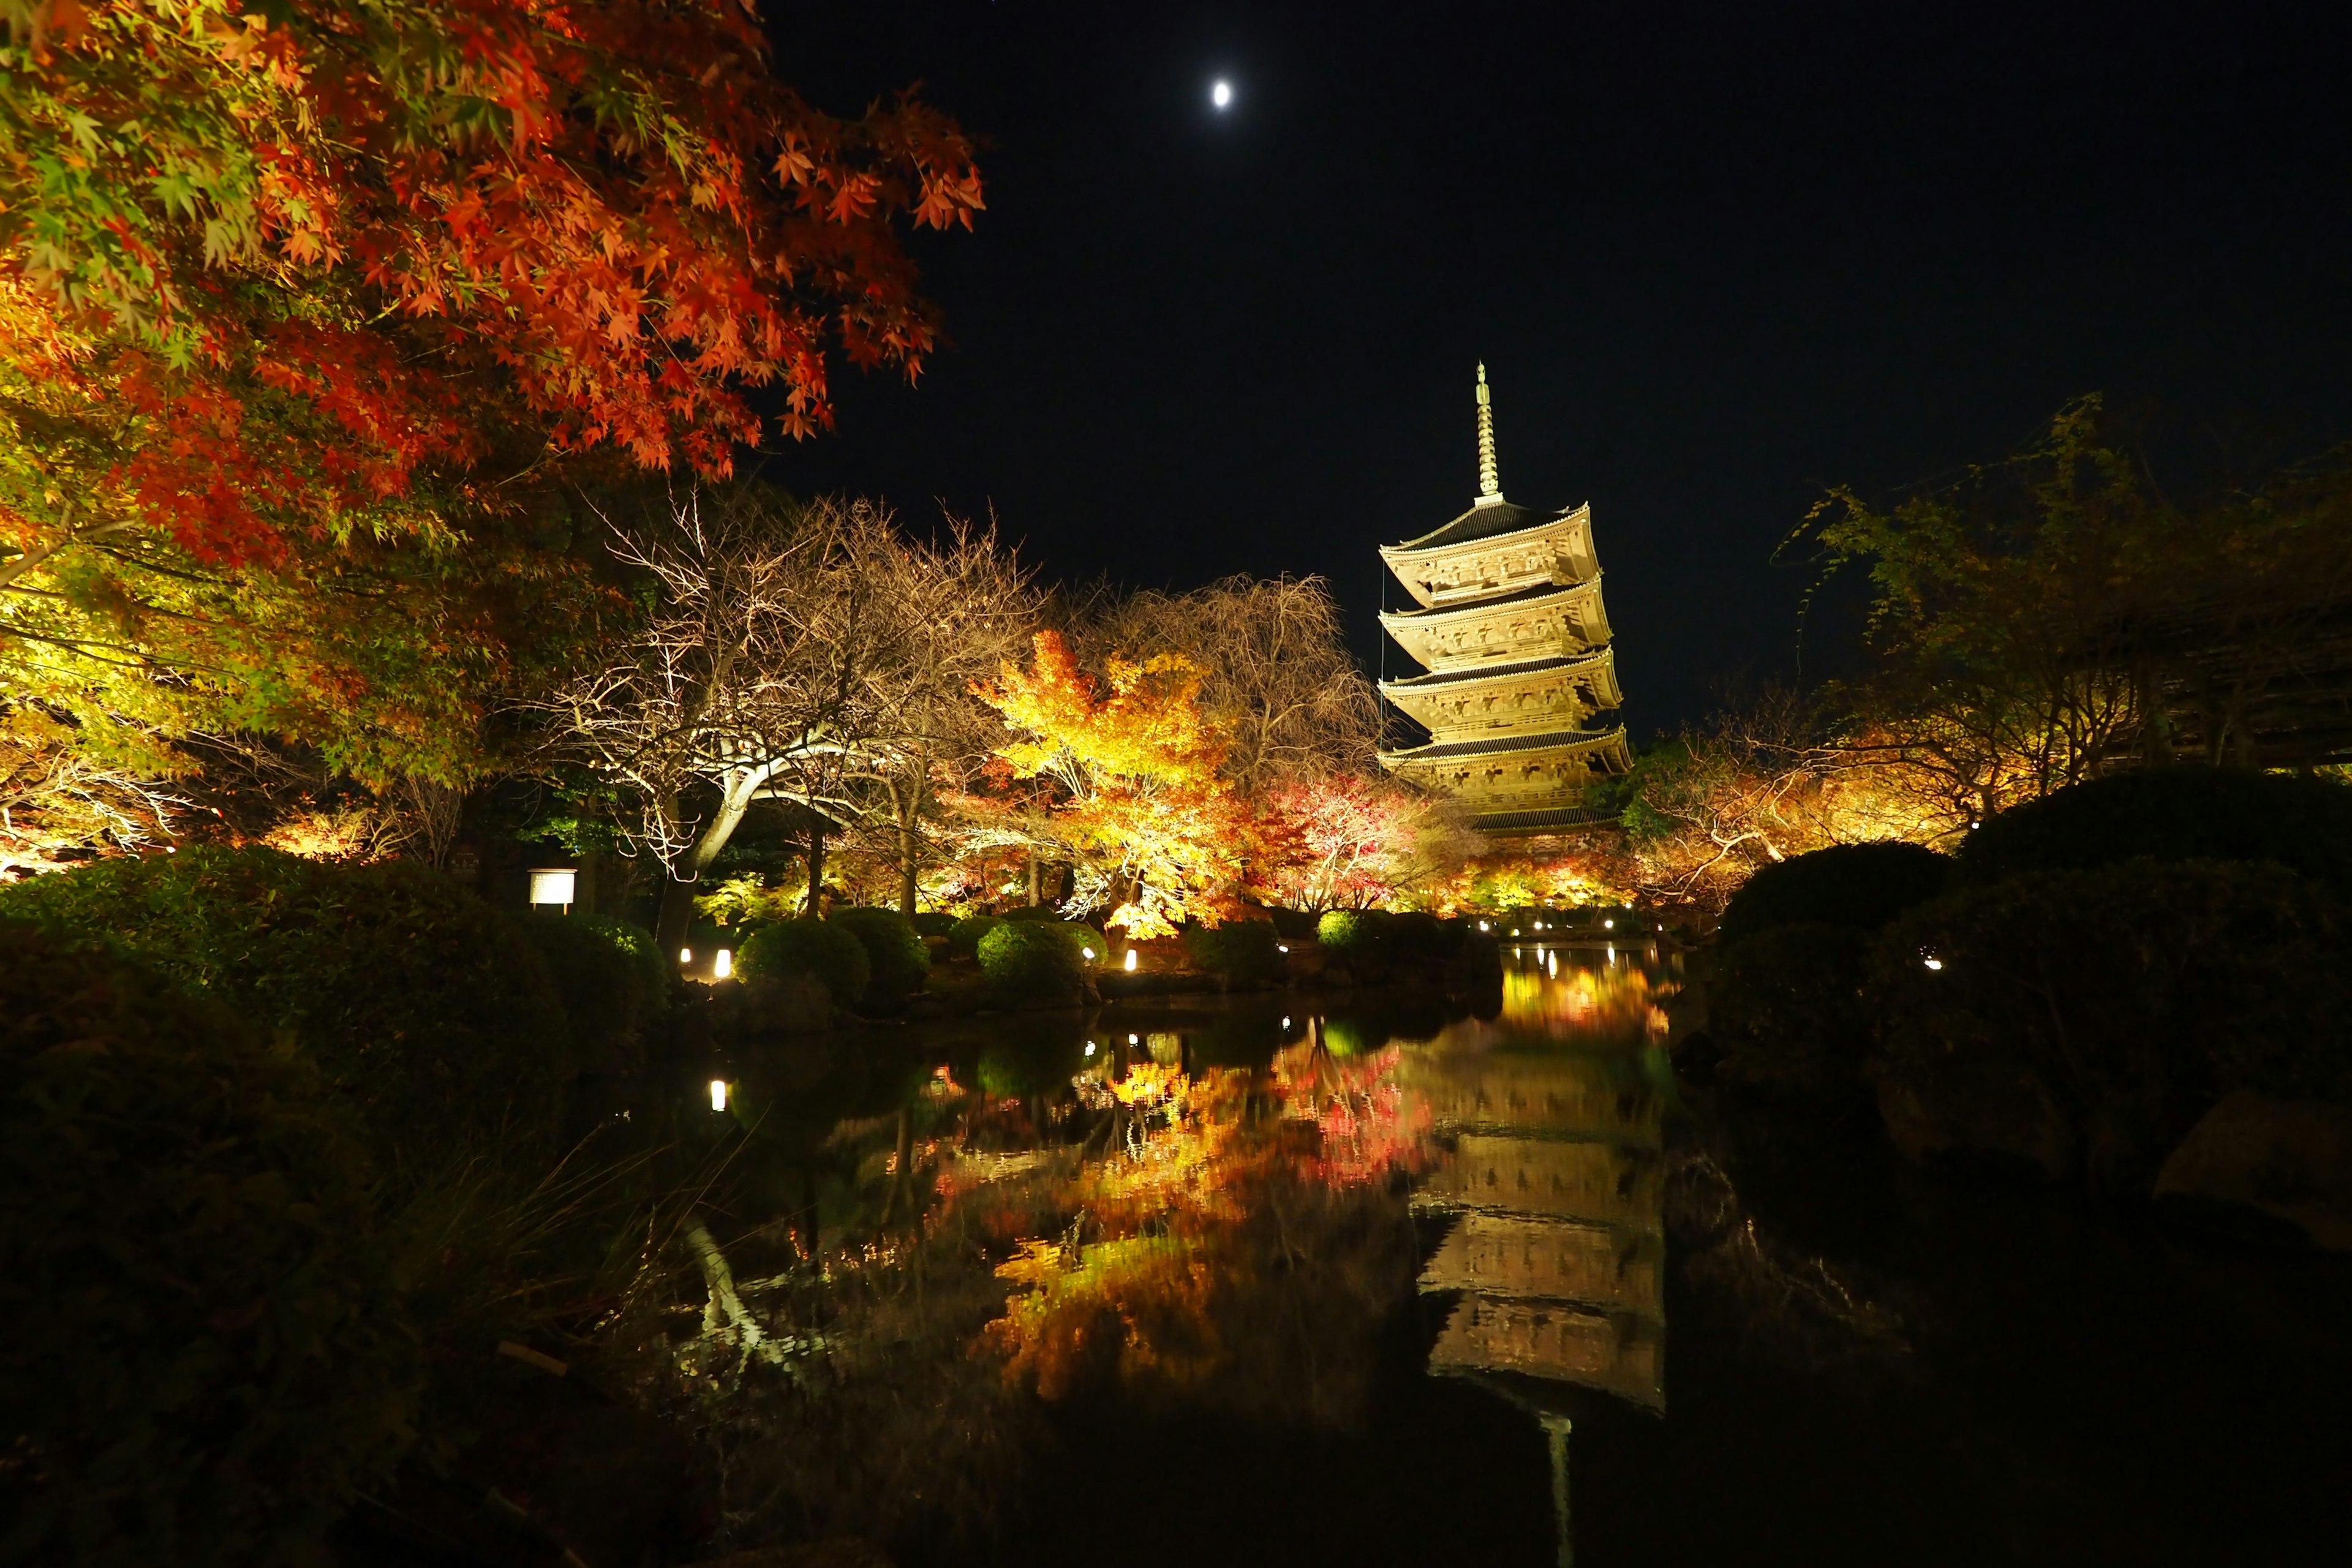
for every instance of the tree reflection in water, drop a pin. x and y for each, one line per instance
(1242, 1233)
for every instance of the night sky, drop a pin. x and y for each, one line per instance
(1714, 257)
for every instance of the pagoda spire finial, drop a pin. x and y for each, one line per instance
(1490, 483)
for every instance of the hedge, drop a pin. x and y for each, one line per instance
(894, 953)
(204, 1360)
(2174, 814)
(830, 952)
(611, 982)
(1859, 885)
(2140, 993)
(431, 1010)
(1240, 952)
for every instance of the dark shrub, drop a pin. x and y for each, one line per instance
(1293, 925)
(1239, 952)
(964, 937)
(895, 949)
(428, 1008)
(1028, 960)
(2174, 814)
(1862, 886)
(1033, 912)
(1418, 936)
(611, 981)
(934, 922)
(1786, 1005)
(830, 954)
(2139, 993)
(203, 1361)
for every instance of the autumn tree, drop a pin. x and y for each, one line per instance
(806, 654)
(310, 312)
(1139, 803)
(1275, 668)
(2055, 614)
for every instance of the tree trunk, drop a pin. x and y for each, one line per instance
(1035, 896)
(676, 916)
(816, 867)
(908, 852)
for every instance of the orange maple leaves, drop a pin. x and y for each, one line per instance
(401, 231)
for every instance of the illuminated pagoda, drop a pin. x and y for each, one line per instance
(1521, 691)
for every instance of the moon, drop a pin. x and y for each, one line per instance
(1221, 95)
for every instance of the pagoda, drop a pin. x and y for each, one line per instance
(1521, 691)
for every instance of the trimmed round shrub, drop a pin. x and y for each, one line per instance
(2173, 814)
(430, 1010)
(900, 961)
(933, 923)
(610, 981)
(1026, 960)
(204, 1361)
(1348, 932)
(964, 937)
(1860, 886)
(1239, 952)
(830, 954)
(2139, 993)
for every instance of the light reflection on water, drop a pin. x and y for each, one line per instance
(1174, 1185)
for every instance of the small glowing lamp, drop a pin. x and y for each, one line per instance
(1282, 947)
(1285, 1023)
(1482, 925)
(723, 965)
(1130, 959)
(685, 955)
(717, 1094)
(1089, 953)
(1090, 1048)
(1608, 925)
(1135, 1039)
(1935, 963)
(1221, 95)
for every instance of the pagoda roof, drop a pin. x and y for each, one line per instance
(1546, 590)
(1505, 672)
(1555, 741)
(1487, 521)
(1544, 821)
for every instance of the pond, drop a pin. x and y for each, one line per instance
(1418, 1279)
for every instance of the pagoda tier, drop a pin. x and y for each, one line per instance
(1533, 622)
(1494, 549)
(1467, 701)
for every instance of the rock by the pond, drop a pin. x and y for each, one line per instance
(2281, 1168)
(1994, 1110)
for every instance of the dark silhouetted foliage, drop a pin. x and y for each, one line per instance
(1861, 886)
(2174, 814)
(1240, 952)
(900, 961)
(428, 1008)
(205, 1361)
(2141, 992)
(611, 981)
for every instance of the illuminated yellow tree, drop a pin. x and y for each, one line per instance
(1138, 803)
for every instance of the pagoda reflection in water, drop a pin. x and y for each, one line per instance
(1552, 1118)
